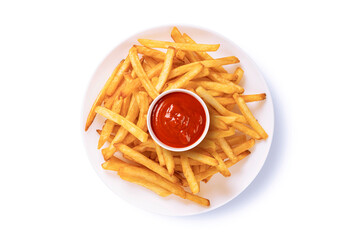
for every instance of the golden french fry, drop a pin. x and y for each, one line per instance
(213, 170)
(200, 157)
(239, 75)
(183, 80)
(227, 76)
(226, 119)
(125, 123)
(206, 63)
(226, 149)
(148, 163)
(113, 164)
(182, 46)
(214, 134)
(197, 199)
(167, 66)
(249, 116)
(109, 139)
(246, 130)
(222, 168)
(101, 95)
(144, 183)
(169, 162)
(109, 125)
(118, 77)
(149, 145)
(228, 88)
(188, 173)
(213, 102)
(243, 146)
(143, 77)
(152, 177)
(159, 152)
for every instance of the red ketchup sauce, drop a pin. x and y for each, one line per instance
(178, 119)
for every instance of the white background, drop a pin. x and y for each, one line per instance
(310, 55)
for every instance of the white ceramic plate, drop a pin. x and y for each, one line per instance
(219, 190)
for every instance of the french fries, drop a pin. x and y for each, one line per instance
(137, 80)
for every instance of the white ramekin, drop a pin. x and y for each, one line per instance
(155, 137)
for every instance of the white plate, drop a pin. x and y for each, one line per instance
(219, 190)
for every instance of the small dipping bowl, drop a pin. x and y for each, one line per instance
(150, 125)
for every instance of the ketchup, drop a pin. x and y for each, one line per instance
(178, 119)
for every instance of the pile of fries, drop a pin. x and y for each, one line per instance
(136, 82)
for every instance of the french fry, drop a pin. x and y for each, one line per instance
(143, 77)
(149, 145)
(197, 199)
(227, 76)
(144, 183)
(213, 170)
(152, 177)
(226, 149)
(148, 163)
(206, 63)
(118, 77)
(249, 116)
(228, 88)
(169, 162)
(246, 130)
(239, 75)
(113, 164)
(125, 105)
(188, 173)
(159, 152)
(98, 101)
(167, 66)
(222, 168)
(200, 157)
(183, 80)
(125, 123)
(214, 134)
(213, 102)
(109, 139)
(182, 46)
(243, 146)
(109, 125)
(226, 119)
